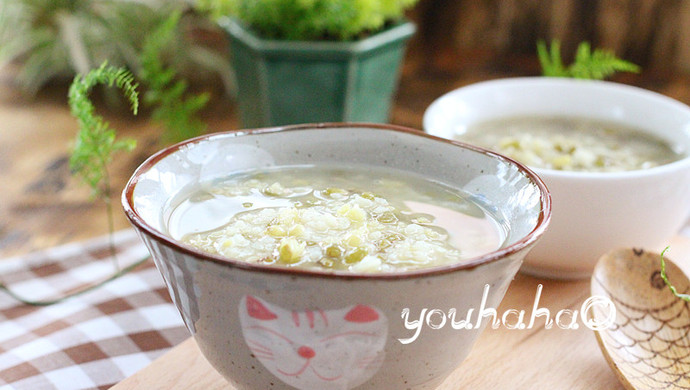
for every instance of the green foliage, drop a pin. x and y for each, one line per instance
(46, 36)
(310, 19)
(166, 92)
(96, 141)
(684, 297)
(54, 39)
(598, 64)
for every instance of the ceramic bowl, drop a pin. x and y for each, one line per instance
(265, 327)
(593, 212)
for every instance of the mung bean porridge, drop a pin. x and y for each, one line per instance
(358, 219)
(571, 143)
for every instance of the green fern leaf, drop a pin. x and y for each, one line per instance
(550, 59)
(96, 142)
(598, 64)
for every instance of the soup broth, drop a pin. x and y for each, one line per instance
(332, 218)
(572, 144)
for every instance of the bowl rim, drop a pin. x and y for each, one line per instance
(127, 200)
(562, 82)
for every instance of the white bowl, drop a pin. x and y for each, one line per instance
(593, 211)
(254, 322)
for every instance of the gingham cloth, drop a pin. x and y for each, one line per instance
(91, 341)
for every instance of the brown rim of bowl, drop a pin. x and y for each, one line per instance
(530, 238)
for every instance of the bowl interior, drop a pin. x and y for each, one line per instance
(454, 112)
(514, 196)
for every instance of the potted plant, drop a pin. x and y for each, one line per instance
(313, 61)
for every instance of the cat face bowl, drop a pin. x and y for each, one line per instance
(317, 257)
(615, 158)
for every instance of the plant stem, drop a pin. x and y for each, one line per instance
(671, 287)
(49, 302)
(109, 213)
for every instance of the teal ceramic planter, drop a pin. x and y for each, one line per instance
(288, 82)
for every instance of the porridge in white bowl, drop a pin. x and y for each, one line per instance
(609, 191)
(571, 143)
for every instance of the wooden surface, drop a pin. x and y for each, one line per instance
(633, 29)
(41, 205)
(538, 358)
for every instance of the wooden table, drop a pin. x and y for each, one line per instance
(41, 205)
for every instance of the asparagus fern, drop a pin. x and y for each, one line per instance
(96, 141)
(598, 64)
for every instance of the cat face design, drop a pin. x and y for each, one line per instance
(315, 349)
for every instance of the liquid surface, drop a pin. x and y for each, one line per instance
(571, 144)
(330, 218)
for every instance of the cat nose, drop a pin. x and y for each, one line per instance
(306, 352)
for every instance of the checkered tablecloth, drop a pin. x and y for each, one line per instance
(93, 340)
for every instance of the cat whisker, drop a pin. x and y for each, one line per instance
(257, 344)
(351, 333)
(255, 352)
(255, 347)
(365, 366)
(370, 361)
(262, 353)
(271, 331)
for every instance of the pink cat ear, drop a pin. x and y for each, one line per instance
(257, 310)
(361, 313)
